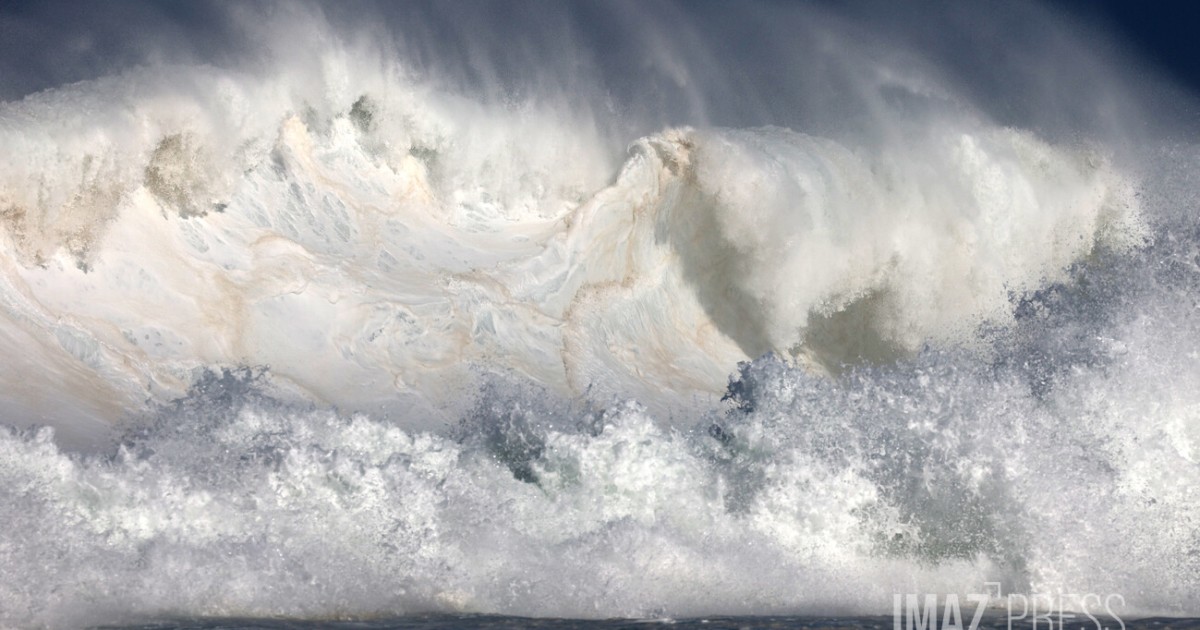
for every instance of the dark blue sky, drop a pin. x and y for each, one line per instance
(1167, 32)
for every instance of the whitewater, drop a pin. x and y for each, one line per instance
(335, 331)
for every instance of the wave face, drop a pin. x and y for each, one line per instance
(343, 328)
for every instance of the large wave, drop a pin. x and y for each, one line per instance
(334, 334)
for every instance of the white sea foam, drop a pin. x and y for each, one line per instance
(810, 496)
(497, 330)
(387, 242)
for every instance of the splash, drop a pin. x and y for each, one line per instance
(492, 311)
(387, 246)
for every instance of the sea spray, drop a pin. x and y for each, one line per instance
(391, 311)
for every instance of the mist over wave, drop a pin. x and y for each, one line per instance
(583, 310)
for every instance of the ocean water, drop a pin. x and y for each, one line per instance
(441, 622)
(523, 315)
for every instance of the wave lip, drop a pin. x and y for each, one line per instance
(397, 240)
(788, 243)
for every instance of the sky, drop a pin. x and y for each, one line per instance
(1165, 31)
(46, 44)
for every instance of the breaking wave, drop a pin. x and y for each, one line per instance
(340, 338)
